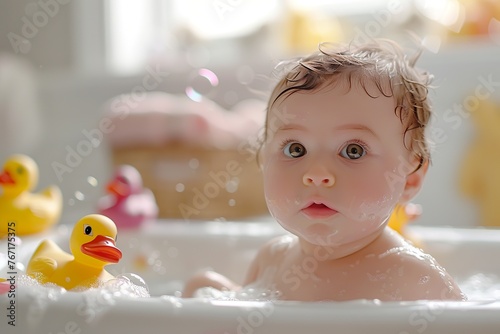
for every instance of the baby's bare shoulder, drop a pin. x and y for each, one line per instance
(276, 248)
(268, 255)
(417, 275)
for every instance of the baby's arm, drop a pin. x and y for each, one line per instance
(208, 279)
(220, 282)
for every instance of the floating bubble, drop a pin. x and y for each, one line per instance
(232, 202)
(172, 252)
(197, 94)
(92, 181)
(193, 95)
(155, 263)
(211, 77)
(194, 163)
(179, 187)
(232, 186)
(153, 257)
(79, 195)
(260, 85)
(158, 268)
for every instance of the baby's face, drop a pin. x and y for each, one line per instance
(334, 163)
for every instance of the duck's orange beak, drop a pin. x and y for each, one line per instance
(102, 248)
(5, 178)
(118, 188)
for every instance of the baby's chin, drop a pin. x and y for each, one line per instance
(333, 240)
(318, 235)
(338, 233)
(325, 236)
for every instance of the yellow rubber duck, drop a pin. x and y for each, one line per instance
(92, 244)
(402, 215)
(30, 212)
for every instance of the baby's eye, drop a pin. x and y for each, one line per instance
(353, 151)
(294, 150)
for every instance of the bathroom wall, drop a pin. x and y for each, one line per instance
(67, 58)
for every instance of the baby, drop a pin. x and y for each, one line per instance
(344, 144)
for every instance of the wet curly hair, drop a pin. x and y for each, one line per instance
(381, 62)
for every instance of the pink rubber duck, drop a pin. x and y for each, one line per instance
(4, 286)
(128, 204)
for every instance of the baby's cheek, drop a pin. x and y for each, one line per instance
(278, 192)
(374, 198)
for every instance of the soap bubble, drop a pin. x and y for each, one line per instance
(173, 301)
(129, 284)
(194, 163)
(92, 181)
(245, 294)
(40, 296)
(172, 252)
(232, 185)
(79, 195)
(196, 94)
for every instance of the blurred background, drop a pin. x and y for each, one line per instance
(177, 88)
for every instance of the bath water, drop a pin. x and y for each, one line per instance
(477, 287)
(97, 300)
(481, 287)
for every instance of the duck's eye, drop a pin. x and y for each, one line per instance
(87, 229)
(294, 150)
(353, 151)
(123, 180)
(20, 170)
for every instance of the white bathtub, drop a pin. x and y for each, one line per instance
(175, 250)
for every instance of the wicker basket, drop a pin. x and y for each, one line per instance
(195, 183)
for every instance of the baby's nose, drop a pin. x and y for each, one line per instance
(318, 177)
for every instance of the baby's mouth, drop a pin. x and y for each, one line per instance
(318, 211)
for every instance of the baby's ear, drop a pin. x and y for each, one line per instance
(414, 182)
